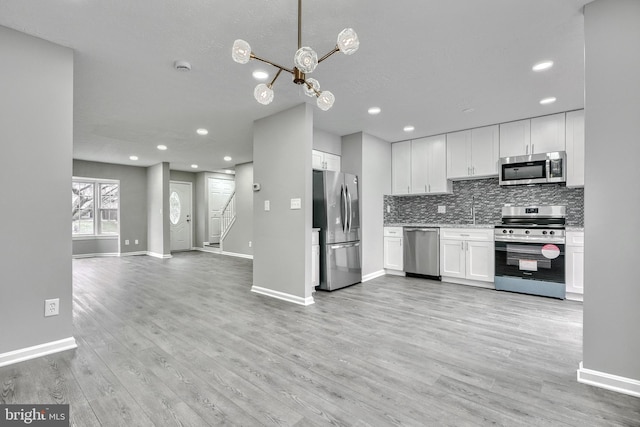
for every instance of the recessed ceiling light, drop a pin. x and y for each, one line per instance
(202, 131)
(374, 110)
(541, 66)
(133, 157)
(194, 166)
(549, 100)
(227, 158)
(409, 128)
(162, 147)
(468, 110)
(260, 75)
(229, 171)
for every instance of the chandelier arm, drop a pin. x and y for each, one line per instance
(274, 79)
(335, 49)
(253, 56)
(310, 86)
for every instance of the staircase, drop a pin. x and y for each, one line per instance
(228, 216)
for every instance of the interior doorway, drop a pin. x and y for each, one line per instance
(180, 215)
(220, 190)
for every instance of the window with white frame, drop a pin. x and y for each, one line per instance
(95, 207)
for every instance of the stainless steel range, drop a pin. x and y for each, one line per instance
(529, 250)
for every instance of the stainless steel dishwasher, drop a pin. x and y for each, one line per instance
(422, 251)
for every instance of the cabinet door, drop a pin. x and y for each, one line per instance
(515, 138)
(459, 154)
(485, 147)
(437, 164)
(452, 258)
(315, 265)
(317, 159)
(393, 253)
(575, 148)
(420, 165)
(574, 274)
(332, 162)
(548, 133)
(480, 261)
(401, 167)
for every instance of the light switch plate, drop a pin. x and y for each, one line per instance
(296, 203)
(267, 205)
(442, 209)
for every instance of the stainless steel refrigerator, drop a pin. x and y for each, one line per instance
(336, 212)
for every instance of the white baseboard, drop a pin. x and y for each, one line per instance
(608, 381)
(394, 272)
(237, 255)
(137, 253)
(283, 296)
(29, 353)
(107, 254)
(373, 275)
(467, 282)
(156, 255)
(575, 297)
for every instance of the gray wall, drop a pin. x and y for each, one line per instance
(133, 207)
(282, 166)
(241, 233)
(490, 197)
(200, 204)
(158, 234)
(369, 158)
(36, 130)
(612, 202)
(327, 142)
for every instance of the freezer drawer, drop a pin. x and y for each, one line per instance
(340, 266)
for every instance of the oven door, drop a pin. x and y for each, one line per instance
(530, 268)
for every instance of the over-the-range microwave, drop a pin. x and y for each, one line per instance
(534, 169)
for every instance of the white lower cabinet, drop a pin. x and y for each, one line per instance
(574, 264)
(393, 250)
(467, 256)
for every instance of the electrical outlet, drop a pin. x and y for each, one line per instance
(126, 242)
(136, 241)
(250, 243)
(51, 307)
(267, 205)
(442, 209)
(296, 203)
(388, 208)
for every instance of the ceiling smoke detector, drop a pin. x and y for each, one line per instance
(182, 66)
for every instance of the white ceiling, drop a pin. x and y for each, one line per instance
(421, 61)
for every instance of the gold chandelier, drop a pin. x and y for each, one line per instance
(305, 61)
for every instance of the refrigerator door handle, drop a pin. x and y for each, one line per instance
(343, 208)
(350, 208)
(347, 245)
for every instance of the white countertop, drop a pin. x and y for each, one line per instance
(439, 225)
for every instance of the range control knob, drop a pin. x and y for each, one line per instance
(552, 232)
(544, 232)
(504, 231)
(527, 232)
(510, 231)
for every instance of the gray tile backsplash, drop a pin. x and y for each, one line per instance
(489, 199)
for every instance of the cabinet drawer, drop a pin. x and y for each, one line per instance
(467, 234)
(392, 231)
(575, 238)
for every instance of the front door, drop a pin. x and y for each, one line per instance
(180, 215)
(219, 192)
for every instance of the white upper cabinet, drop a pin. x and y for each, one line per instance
(429, 165)
(575, 148)
(325, 161)
(548, 134)
(473, 153)
(515, 138)
(401, 167)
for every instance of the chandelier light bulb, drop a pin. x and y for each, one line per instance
(326, 100)
(306, 59)
(315, 84)
(263, 94)
(348, 42)
(241, 51)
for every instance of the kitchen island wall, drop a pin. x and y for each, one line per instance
(489, 199)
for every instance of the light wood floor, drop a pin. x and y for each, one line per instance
(183, 341)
